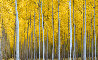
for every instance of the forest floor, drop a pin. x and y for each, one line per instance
(49, 59)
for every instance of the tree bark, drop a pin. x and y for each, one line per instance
(58, 33)
(39, 29)
(94, 30)
(53, 32)
(17, 32)
(34, 35)
(47, 44)
(31, 45)
(89, 46)
(70, 30)
(84, 41)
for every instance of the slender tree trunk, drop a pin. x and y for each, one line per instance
(31, 45)
(34, 35)
(20, 49)
(3, 41)
(93, 46)
(36, 47)
(39, 29)
(62, 53)
(64, 46)
(77, 48)
(47, 44)
(91, 37)
(14, 43)
(70, 30)
(94, 30)
(6, 56)
(53, 32)
(81, 43)
(74, 44)
(97, 47)
(89, 46)
(74, 31)
(43, 37)
(1, 36)
(24, 47)
(84, 41)
(68, 36)
(83, 31)
(17, 32)
(27, 39)
(22, 52)
(58, 33)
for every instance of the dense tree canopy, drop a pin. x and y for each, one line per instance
(26, 10)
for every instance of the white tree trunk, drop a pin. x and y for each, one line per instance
(53, 32)
(39, 29)
(70, 30)
(34, 35)
(43, 37)
(17, 32)
(94, 30)
(84, 42)
(58, 33)
(74, 31)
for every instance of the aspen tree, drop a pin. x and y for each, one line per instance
(84, 41)
(89, 46)
(24, 46)
(70, 30)
(31, 45)
(58, 33)
(74, 31)
(29, 48)
(83, 28)
(81, 43)
(47, 44)
(39, 29)
(14, 41)
(17, 32)
(53, 32)
(94, 30)
(43, 37)
(34, 34)
(91, 37)
(68, 35)
(27, 39)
